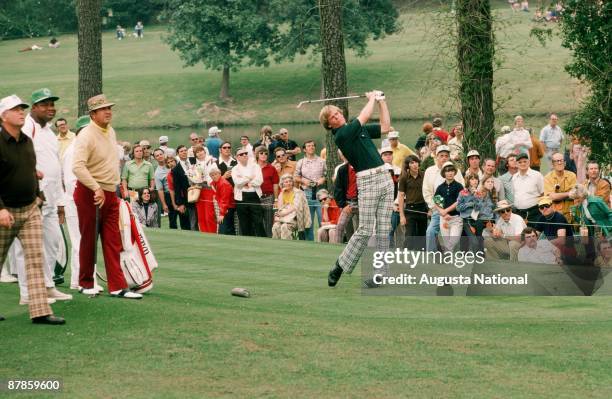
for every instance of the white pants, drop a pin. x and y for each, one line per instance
(52, 239)
(450, 230)
(7, 268)
(72, 221)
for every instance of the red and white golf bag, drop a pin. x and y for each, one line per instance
(137, 259)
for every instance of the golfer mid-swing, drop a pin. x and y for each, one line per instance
(374, 184)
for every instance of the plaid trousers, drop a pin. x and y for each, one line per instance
(28, 228)
(375, 208)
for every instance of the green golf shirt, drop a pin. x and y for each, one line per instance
(138, 176)
(355, 142)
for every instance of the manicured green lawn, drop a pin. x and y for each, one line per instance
(152, 89)
(298, 338)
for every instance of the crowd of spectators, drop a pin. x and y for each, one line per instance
(444, 190)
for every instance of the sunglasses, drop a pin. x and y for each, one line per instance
(558, 161)
(241, 154)
(226, 147)
(508, 210)
(323, 199)
(281, 155)
(543, 207)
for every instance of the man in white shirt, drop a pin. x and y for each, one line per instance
(431, 180)
(552, 136)
(527, 188)
(521, 139)
(516, 142)
(537, 251)
(38, 127)
(247, 179)
(504, 240)
(246, 145)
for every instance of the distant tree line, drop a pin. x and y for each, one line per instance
(36, 18)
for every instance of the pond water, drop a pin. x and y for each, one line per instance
(409, 132)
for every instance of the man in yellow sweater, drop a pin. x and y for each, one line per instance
(96, 166)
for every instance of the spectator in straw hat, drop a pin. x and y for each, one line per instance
(504, 238)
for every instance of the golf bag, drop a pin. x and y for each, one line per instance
(137, 259)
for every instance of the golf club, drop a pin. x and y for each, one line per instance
(328, 99)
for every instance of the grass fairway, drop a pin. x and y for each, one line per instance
(297, 338)
(152, 89)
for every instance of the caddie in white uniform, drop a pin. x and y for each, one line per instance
(46, 146)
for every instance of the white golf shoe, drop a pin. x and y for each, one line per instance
(58, 295)
(26, 301)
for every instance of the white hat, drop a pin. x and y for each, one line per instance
(441, 148)
(213, 131)
(385, 149)
(163, 139)
(473, 153)
(11, 102)
(145, 143)
(393, 134)
(446, 165)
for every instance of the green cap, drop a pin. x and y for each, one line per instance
(82, 122)
(42, 95)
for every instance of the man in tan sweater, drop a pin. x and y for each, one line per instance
(96, 166)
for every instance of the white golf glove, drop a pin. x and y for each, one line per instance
(379, 95)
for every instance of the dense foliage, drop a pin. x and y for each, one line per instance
(35, 18)
(586, 28)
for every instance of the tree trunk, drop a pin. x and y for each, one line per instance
(224, 95)
(475, 52)
(333, 69)
(90, 51)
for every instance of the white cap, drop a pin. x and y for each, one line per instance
(393, 135)
(473, 153)
(385, 149)
(441, 148)
(11, 102)
(163, 139)
(213, 131)
(145, 143)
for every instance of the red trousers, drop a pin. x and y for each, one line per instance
(206, 211)
(109, 234)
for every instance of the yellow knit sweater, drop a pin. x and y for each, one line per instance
(96, 162)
